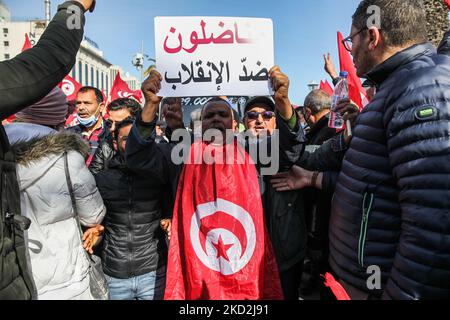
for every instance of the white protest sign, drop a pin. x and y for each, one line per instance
(214, 56)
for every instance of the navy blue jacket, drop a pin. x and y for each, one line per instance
(391, 206)
(444, 46)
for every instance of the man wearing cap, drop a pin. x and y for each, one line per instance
(284, 211)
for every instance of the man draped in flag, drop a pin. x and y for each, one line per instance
(219, 248)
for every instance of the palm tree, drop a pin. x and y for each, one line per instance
(437, 20)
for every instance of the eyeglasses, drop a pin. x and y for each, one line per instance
(348, 42)
(266, 115)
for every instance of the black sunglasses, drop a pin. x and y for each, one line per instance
(267, 115)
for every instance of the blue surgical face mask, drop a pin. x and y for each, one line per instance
(88, 122)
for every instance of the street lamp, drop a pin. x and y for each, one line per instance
(138, 62)
(313, 85)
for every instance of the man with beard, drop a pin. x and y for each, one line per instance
(144, 156)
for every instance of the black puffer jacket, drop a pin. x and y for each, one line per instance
(391, 207)
(25, 80)
(134, 243)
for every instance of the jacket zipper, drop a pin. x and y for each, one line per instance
(130, 227)
(367, 207)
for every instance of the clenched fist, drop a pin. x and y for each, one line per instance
(87, 4)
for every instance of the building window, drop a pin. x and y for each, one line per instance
(80, 72)
(6, 43)
(107, 84)
(6, 56)
(73, 72)
(86, 74)
(5, 30)
(103, 81)
(98, 79)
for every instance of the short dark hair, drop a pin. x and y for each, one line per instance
(125, 103)
(98, 93)
(119, 125)
(403, 22)
(317, 100)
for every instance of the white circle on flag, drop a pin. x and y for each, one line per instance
(68, 87)
(238, 257)
(123, 94)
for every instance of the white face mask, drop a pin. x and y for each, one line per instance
(87, 122)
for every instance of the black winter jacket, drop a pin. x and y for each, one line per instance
(320, 132)
(25, 80)
(391, 206)
(134, 244)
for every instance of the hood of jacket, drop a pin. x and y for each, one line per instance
(37, 155)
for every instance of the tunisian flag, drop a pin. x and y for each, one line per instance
(120, 89)
(325, 86)
(219, 247)
(447, 2)
(355, 88)
(70, 87)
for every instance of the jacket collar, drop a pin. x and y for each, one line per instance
(319, 125)
(381, 72)
(118, 162)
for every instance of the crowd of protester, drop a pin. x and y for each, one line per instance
(374, 194)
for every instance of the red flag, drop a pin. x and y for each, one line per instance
(447, 2)
(337, 289)
(355, 88)
(219, 246)
(325, 86)
(70, 87)
(27, 45)
(71, 120)
(120, 89)
(104, 95)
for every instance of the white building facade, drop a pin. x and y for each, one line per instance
(91, 67)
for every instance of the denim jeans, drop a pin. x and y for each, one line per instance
(149, 286)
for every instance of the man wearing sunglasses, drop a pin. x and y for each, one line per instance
(259, 116)
(118, 110)
(284, 211)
